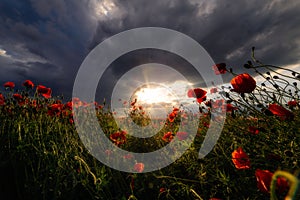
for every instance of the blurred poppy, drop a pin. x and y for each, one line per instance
(162, 190)
(118, 137)
(205, 124)
(168, 137)
(243, 83)
(28, 84)
(213, 90)
(281, 112)
(293, 104)
(2, 100)
(133, 102)
(128, 156)
(182, 135)
(219, 68)
(44, 91)
(264, 178)
(175, 110)
(228, 108)
(240, 159)
(76, 102)
(254, 130)
(139, 167)
(218, 103)
(55, 109)
(18, 97)
(198, 93)
(9, 84)
(172, 116)
(208, 103)
(68, 105)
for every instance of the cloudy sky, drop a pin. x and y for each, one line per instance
(47, 41)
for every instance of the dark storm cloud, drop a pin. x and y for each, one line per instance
(44, 41)
(226, 29)
(47, 40)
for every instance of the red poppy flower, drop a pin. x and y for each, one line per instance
(33, 103)
(118, 137)
(168, 137)
(9, 84)
(44, 91)
(218, 103)
(139, 167)
(18, 97)
(293, 104)
(55, 109)
(264, 178)
(68, 105)
(198, 93)
(281, 112)
(254, 130)
(2, 100)
(172, 116)
(219, 68)
(182, 135)
(128, 156)
(240, 159)
(228, 108)
(162, 190)
(243, 83)
(213, 90)
(76, 102)
(28, 84)
(175, 110)
(205, 124)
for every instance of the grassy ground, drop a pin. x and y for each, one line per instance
(42, 157)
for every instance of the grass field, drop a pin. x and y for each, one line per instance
(42, 156)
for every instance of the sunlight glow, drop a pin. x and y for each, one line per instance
(158, 94)
(104, 8)
(3, 53)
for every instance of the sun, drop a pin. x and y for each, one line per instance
(155, 94)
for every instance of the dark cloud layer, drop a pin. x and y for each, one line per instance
(46, 41)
